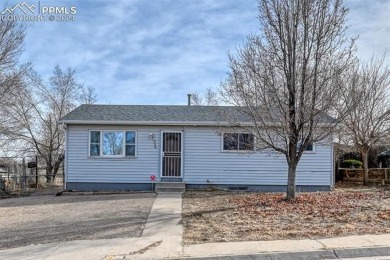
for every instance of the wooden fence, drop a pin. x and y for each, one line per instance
(375, 175)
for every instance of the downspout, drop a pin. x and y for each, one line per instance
(333, 173)
(65, 163)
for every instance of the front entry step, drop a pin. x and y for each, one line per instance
(166, 187)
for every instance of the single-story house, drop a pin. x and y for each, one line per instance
(121, 147)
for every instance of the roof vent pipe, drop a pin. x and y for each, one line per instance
(189, 99)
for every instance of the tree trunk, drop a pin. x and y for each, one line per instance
(365, 166)
(57, 166)
(49, 170)
(292, 169)
(55, 171)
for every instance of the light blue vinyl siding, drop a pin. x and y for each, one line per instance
(204, 160)
(82, 168)
(202, 157)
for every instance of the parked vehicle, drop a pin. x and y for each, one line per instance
(384, 159)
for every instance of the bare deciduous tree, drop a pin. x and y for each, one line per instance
(37, 111)
(12, 36)
(11, 42)
(209, 98)
(196, 99)
(368, 99)
(286, 78)
(88, 95)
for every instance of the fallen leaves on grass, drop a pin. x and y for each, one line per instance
(308, 204)
(385, 215)
(213, 217)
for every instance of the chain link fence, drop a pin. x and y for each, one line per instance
(27, 174)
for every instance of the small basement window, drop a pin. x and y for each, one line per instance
(238, 142)
(240, 188)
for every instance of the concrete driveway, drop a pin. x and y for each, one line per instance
(44, 219)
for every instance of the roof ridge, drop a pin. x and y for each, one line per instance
(137, 105)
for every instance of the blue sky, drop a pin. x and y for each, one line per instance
(157, 51)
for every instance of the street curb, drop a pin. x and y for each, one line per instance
(314, 255)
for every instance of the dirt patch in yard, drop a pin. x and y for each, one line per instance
(48, 218)
(218, 216)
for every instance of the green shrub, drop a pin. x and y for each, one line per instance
(352, 163)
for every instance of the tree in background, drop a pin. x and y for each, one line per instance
(30, 107)
(286, 78)
(209, 98)
(12, 36)
(367, 97)
(37, 111)
(88, 95)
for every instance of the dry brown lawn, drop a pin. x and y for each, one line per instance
(217, 216)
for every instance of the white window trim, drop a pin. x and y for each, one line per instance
(123, 155)
(237, 151)
(310, 151)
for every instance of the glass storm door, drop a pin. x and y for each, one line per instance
(171, 154)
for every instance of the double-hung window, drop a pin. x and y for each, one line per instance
(112, 143)
(94, 143)
(130, 143)
(238, 142)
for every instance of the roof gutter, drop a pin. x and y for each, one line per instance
(153, 123)
(166, 123)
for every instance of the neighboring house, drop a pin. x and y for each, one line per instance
(119, 147)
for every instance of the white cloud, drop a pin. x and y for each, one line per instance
(370, 20)
(155, 52)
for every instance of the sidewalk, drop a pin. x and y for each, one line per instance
(162, 238)
(283, 246)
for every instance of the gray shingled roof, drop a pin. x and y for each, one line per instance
(152, 113)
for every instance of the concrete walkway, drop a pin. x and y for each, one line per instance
(164, 224)
(162, 238)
